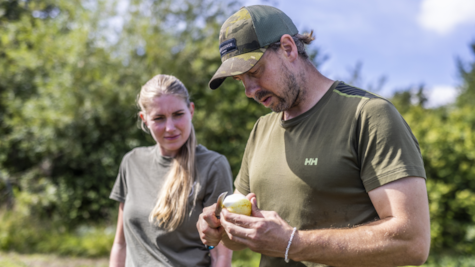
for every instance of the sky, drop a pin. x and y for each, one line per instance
(410, 42)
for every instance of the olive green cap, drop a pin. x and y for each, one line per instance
(244, 37)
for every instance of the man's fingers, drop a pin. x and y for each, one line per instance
(238, 234)
(250, 196)
(237, 219)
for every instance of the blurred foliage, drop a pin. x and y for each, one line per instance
(245, 258)
(447, 139)
(69, 75)
(21, 234)
(66, 109)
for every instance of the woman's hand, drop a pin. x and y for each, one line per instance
(209, 227)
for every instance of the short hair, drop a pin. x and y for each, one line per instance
(300, 41)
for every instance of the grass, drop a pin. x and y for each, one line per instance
(47, 260)
(244, 258)
(25, 235)
(26, 242)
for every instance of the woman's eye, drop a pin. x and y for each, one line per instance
(158, 119)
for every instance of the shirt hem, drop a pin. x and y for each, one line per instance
(392, 176)
(117, 198)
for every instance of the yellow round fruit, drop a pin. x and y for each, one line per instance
(237, 203)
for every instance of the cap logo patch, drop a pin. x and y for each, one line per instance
(227, 46)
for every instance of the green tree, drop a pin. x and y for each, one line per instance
(447, 140)
(70, 73)
(60, 93)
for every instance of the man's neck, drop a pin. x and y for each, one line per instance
(315, 86)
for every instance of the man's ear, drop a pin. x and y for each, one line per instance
(289, 47)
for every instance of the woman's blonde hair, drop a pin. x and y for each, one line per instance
(170, 208)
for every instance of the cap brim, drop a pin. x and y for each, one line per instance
(234, 66)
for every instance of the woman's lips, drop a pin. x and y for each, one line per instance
(171, 138)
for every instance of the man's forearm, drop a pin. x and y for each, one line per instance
(374, 244)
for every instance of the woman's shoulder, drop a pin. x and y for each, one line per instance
(139, 153)
(204, 155)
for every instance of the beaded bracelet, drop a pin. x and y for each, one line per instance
(288, 245)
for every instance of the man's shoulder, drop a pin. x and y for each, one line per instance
(269, 118)
(351, 91)
(362, 100)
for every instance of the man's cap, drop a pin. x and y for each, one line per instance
(244, 37)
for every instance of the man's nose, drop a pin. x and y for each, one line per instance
(250, 86)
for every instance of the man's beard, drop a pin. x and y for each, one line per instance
(291, 97)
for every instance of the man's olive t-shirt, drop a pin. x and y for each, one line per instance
(315, 170)
(141, 175)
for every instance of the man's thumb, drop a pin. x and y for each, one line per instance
(256, 212)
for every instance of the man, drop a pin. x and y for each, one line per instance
(334, 174)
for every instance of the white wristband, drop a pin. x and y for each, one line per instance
(288, 245)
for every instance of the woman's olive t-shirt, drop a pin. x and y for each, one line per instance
(141, 175)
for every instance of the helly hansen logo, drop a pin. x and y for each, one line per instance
(311, 161)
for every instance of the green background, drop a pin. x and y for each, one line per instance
(69, 75)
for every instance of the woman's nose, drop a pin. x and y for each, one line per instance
(170, 125)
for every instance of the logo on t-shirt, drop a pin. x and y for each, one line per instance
(311, 161)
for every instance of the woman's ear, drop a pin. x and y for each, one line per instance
(289, 47)
(192, 108)
(142, 117)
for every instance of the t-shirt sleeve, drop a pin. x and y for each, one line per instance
(219, 179)
(387, 148)
(119, 190)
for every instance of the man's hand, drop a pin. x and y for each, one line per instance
(209, 227)
(264, 232)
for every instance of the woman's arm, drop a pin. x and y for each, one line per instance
(117, 257)
(221, 256)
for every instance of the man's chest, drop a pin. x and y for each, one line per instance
(308, 174)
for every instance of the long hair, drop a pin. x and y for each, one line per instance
(170, 208)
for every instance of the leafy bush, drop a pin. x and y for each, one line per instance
(24, 234)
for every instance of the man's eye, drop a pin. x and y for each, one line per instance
(254, 73)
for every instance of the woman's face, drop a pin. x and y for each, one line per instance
(169, 120)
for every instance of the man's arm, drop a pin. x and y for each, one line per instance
(400, 237)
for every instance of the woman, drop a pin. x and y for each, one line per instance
(162, 189)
